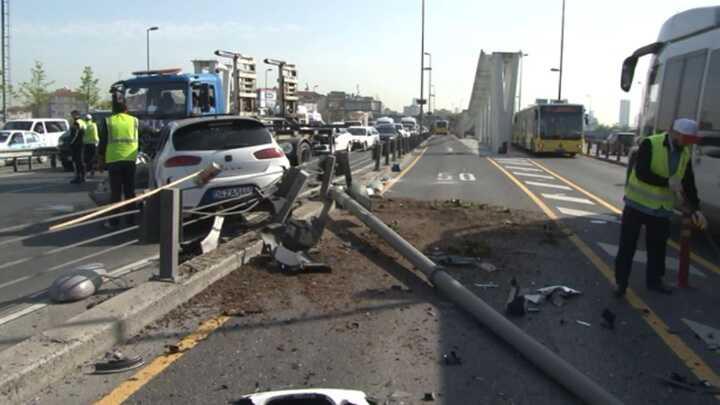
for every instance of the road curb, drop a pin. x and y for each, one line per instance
(39, 361)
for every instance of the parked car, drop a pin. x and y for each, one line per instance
(617, 140)
(364, 137)
(48, 129)
(243, 147)
(343, 141)
(387, 132)
(20, 141)
(402, 130)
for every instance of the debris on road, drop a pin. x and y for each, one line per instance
(565, 291)
(608, 319)
(583, 323)
(117, 362)
(489, 267)
(536, 299)
(709, 335)
(395, 167)
(516, 303)
(486, 285)
(679, 381)
(452, 359)
(429, 397)
(81, 283)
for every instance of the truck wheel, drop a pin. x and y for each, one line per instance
(302, 154)
(68, 166)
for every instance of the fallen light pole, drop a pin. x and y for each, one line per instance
(553, 365)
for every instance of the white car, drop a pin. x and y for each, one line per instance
(48, 129)
(343, 141)
(244, 149)
(402, 130)
(364, 137)
(17, 141)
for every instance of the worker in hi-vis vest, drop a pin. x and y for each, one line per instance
(660, 181)
(90, 142)
(77, 129)
(118, 151)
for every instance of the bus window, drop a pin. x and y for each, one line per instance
(710, 111)
(690, 88)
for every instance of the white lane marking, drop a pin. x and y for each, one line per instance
(444, 182)
(537, 176)
(671, 263)
(17, 280)
(444, 177)
(467, 177)
(518, 163)
(563, 197)
(449, 149)
(527, 169)
(511, 160)
(102, 252)
(587, 214)
(548, 185)
(21, 313)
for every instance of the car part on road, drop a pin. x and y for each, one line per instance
(117, 363)
(680, 381)
(486, 285)
(306, 396)
(565, 291)
(452, 359)
(583, 323)
(79, 284)
(516, 304)
(549, 362)
(211, 241)
(709, 335)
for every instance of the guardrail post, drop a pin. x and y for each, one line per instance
(30, 163)
(597, 150)
(170, 229)
(377, 154)
(394, 149)
(150, 221)
(387, 152)
(15, 168)
(607, 152)
(619, 152)
(297, 179)
(328, 174)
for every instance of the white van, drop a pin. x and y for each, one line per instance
(49, 129)
(684, 82)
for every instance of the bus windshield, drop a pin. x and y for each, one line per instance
(561, 122)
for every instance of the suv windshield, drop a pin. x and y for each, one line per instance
(157, 99)
(221, 135)
(357, 131)
(19, 125)
(386, 129)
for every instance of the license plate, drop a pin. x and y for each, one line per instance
(231, 192)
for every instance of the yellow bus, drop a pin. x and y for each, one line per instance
(440, 127)
(549, 128)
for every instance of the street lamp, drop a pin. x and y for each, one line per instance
(147, 32)
(429, 69)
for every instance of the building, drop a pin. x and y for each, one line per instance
(624, 119)
(340, 106)
(413, 109)
(60, 104)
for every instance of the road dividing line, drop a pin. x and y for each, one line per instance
(527, 169)
(563, 197)
(548, 185)
(536, 176)
(21, 313)
(700, 260)
(147, 373)
(402, 173)
(694, 362)
(587, 214)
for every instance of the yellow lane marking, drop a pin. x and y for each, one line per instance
(402, 173)
(147, 373)
(698, 259)
(694, 362)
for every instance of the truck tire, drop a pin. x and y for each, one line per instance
(303, 153)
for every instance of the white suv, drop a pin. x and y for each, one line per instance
(49, 129)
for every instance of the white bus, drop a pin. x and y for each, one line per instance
(683, 81)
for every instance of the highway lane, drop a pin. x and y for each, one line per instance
(31, 258)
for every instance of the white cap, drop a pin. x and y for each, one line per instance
(685, 126)
(88, 116)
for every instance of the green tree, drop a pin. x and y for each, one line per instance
(89, 90)
(35, 92)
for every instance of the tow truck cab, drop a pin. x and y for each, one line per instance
(156, 97)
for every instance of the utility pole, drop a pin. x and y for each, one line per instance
(237, 108)
(5, 50)
(430, 85)
(422, 65)
(147, 32)
(562, 50)
(281, 83)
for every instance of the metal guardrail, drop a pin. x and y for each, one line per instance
(50, 152)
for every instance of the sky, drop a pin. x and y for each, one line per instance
(370, 45)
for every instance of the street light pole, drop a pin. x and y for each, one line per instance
(562, 50)
(429, 69)
(265, 91)
(147, 32)
(422, 63)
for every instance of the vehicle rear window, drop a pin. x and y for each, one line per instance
(386, 129)
(356, 131)
(19, 125)
(221, 135)
(56, 126)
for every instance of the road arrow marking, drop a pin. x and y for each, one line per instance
(641, 257)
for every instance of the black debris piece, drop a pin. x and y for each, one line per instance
(429, 397)
(118, 363)
(452, 359)
(608, 319)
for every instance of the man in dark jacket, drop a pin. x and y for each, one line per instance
(78, 133)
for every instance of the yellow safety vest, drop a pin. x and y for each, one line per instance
(81, 123)
(122, 142)
(656, 197)
(91, 134)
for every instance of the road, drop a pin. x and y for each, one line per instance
(33, 257)
(302, 344)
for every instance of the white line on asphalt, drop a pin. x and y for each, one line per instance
(13, 282)
(527, 169)
(102, 252)
(548, 185)
(587, 214)
(21, 313)
(537, 176)
(443, 182)
(563, 197)
(17, 190)
(672, 263)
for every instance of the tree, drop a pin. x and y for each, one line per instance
(35, 92)
(89, 90)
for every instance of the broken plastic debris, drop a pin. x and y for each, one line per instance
(117, 363)
(608, 319)
(536, 299)
(566, 291)
(516, 303)
(709, 335)
(583, 323)
(486, 285)
(429, 397)
(396, 167)
(557, 298)
(489, 267)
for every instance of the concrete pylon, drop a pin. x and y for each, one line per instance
(491, 108)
